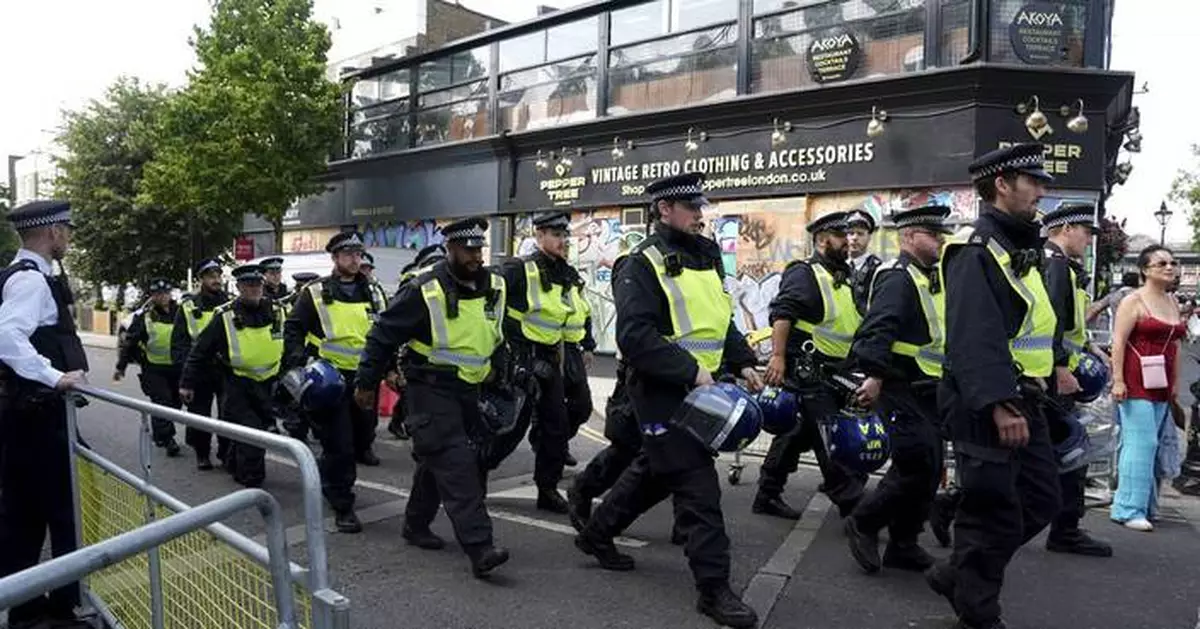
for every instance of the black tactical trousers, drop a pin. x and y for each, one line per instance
(335, 427)
(1007, 497)
(251, 404)
(36, 476)
(902, 499)
(161, 386)
(363, 422)
(576, 388)
(448, 473)
(625, 441)
(204, 394)
(843, 486)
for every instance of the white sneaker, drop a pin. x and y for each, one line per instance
(1139, 524)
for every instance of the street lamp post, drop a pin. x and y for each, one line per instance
(1163, 215)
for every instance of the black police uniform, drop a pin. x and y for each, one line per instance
(862, 275)
(1065, 534)
(347, 432)
(207, 387)
(35, 466)
(671, 463)
(1007, 496)
(245, 401)
(160, 383)
(274, 291)
(575, 383)
(908, 398)
(426, 257)
(443, 409)
(799, 298)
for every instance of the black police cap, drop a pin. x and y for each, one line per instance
(345, 240)
(687, 187)
(206, 265)
(271, 264)
(248, 273)
(931, 217)
(832, 222)
(159, 285)
(552, 220)
(1028, 159)
(1071, 214)
(860, 218)
(469, 232)
(40, 214)
(368, 259)
(304, 277)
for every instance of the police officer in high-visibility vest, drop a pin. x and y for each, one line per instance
(675, 330)
(273, 286)
(195, 313)
(450, 317)
(426, 257)
(860, 227)
(545, 304)
(815, 303)
(331, 319)
(1070, 230)
(41, 357)
(368, 265)
(148, 343)
(999, 353)
(244, 344)
(900, 348)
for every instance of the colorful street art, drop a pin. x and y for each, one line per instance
(402, 234)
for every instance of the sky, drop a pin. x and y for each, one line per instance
(61, 53)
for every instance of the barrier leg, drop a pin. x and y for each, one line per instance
(153, 559)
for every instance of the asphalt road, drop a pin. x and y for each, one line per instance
(799, 575)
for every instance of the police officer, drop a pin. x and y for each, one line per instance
(1070, 229)
(331, 319)
(294, 421)
(272, 272)
(195, 313)
(426, 257)
(1000, 327)
(675, 330)
(860, 227)
(900, 347)
(245, 344)
(450, 316)
(624, 442)
(815, 303)
(368, 265)
(300, 280)
(148, 343)
(41, 357)
(545, 303)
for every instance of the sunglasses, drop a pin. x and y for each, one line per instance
(1163, 263)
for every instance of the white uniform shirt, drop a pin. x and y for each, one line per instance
(28, 304)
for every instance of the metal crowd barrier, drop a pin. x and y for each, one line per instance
(215, 577)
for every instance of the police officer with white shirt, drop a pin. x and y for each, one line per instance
(41, 357)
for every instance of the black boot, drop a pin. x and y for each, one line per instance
(367, 457)
(347, 521)
(771, 504)
(203, 463)
(605, 552)
(550, 500)
(1077, 542)
(995, 624)
(172, 448)
(422, 538)
(579, 507)
(864, 547)
(907, 556)
(569, 459)
(940, 579)
(722, 605)
(941, 516)
(485, 559)
(398, 430)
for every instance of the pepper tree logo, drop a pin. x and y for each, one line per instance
(1038, 33)
(833, 57)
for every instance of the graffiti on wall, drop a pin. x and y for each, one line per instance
(402, 234)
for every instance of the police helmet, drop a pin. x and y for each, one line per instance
(780, 410)
(859, 440)
(319, 385)
(499, 408)
(1072, 450)
(1092, 374)
(723, 417)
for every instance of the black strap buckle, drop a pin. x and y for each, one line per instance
(673, 263)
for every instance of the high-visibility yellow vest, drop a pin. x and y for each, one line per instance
(157, 346)
(833, 334)
(546, 312)
(1033, 346)
(254, 353)
(344, 324)
(197, 319)
(575, 327)
(932, 355)
(1075, 338)
(700, 309)
(467, 341)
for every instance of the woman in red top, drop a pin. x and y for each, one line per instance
(1145, 343)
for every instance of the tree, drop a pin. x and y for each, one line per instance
(257, 120)
(118, 240)
(1111, 245)
(9, 243)
(1185, 190)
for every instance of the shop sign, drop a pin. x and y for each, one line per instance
(243, 248)
(833, 57)
(1076, 160)
(1038, 33)
(308, 240)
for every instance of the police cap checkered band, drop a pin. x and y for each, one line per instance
(832, 222)
(368, 259)
(930, 216)
(1020, 158)
(159, 285)
(248, 273)
(1074, 214)
(40, 214)
(552, 220)
(208, 265)
(685, 187)
(469, 232)
(860, 217)
(344, 240)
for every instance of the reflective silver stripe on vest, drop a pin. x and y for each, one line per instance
(696, 345)
(457, 359)
(931, 315)
(322, 310)
(678, 306)
(1072, 346)
(998, 252)
(534, 292)
(538, 322)
(235, 348)
(1033, 342)
(337, 348)
(440, 349)
(825, 285)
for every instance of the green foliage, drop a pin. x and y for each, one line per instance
(1185, 190)
(1112, 244)
(9, 242)
(257, 120)
(107, 144)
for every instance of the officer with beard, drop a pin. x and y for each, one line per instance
(675, 330)
(332, 317)
(425, 258)
(272, 272)
(195, 313)
(1000, 326)
(450, 317)
(148, 343)
(860, 227)
(815, 303)
(899, 346)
